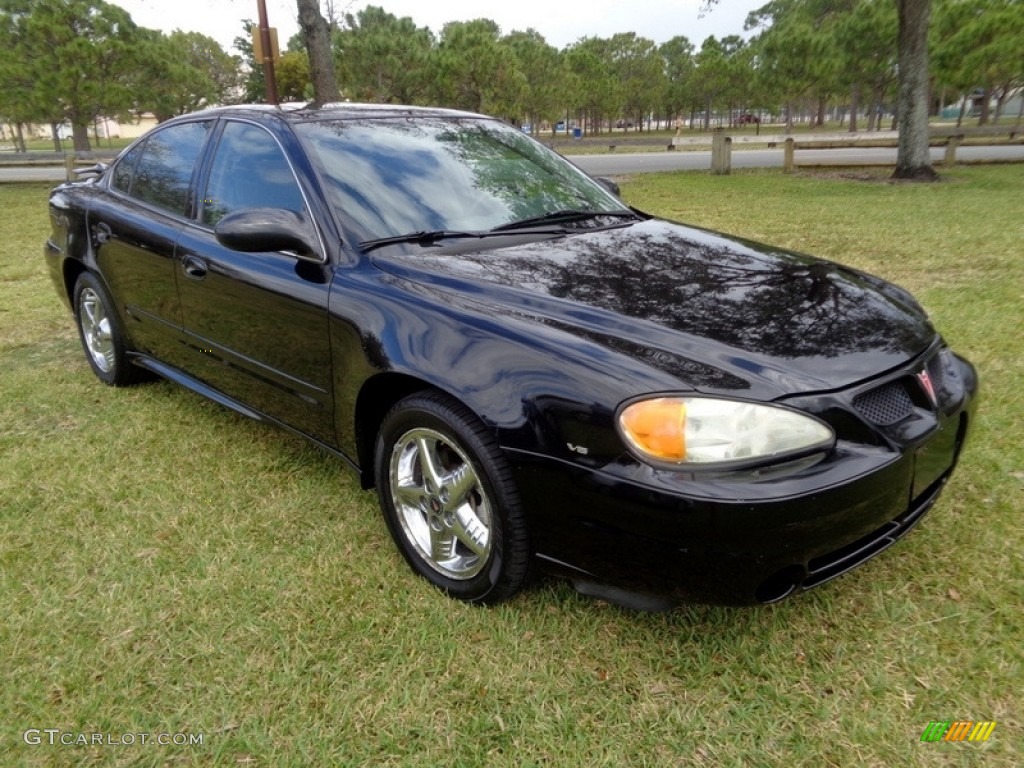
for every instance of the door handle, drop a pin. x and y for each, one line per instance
(101, 233)
(194, 267)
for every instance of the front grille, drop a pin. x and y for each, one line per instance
(886, 404)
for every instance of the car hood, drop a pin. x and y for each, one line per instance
(716, 312)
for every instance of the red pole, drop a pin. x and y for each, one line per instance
(268, 55)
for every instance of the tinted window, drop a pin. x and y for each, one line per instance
(125, 169)
(164, 171)
(249, 170)
(389, 177)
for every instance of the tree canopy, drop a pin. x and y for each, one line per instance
(68, 60)
(76, 60)
(814, 57)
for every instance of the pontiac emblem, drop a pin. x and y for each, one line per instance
(929, 388)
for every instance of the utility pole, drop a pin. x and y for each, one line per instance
(267, 54)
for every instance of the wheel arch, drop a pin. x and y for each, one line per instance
(69, 244)
(72, 269)
(377, 396)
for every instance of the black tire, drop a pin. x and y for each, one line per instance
(449, 500)
(101, 335)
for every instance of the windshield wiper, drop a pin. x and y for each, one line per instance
(423, 237)
(429, 237)
(566, 215)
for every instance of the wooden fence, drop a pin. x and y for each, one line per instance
(722, 144)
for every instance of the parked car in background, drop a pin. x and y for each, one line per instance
(529, 371)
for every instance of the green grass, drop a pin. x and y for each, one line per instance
(167, 566)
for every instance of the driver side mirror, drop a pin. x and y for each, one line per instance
(608, 184)
(253, 230)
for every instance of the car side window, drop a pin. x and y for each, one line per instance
(164, 172)
(249, 170)
(125, 169)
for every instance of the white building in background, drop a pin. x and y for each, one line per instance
(103, 127)
(1013, 107)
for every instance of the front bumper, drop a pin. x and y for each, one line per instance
(746, 538)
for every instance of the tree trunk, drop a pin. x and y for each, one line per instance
(80, 137)
(986, 109)
(877, 103)
(318, 45)
(20, 138)
(822, 108)
(1004, 94)
(963, 109)
(56, 138)
(912, 158)
(854, 106)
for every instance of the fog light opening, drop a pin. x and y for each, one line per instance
(780, 585)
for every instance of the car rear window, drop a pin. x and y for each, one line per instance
(163, 173)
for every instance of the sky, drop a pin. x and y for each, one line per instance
(561, 22)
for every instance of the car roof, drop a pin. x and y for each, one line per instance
(311, 111)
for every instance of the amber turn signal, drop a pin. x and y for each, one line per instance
(657, 428)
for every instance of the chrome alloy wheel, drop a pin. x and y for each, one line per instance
(96, 330)
(441, 503)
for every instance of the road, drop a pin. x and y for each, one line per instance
(644, 162)
(31, 173)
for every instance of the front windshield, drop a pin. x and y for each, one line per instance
(392, 176)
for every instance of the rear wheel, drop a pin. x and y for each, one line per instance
(101, 334)
(449, 500)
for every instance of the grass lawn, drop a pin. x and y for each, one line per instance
(169, 567)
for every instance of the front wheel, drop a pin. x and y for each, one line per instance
(449, 500)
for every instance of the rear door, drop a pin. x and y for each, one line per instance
(256, 323)
(134, 228)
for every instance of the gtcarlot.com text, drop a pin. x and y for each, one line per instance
(57, 737)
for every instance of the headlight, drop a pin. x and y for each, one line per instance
(705, 431)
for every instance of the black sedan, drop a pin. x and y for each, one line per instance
(530, 372)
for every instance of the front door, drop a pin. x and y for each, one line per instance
(256, 323)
